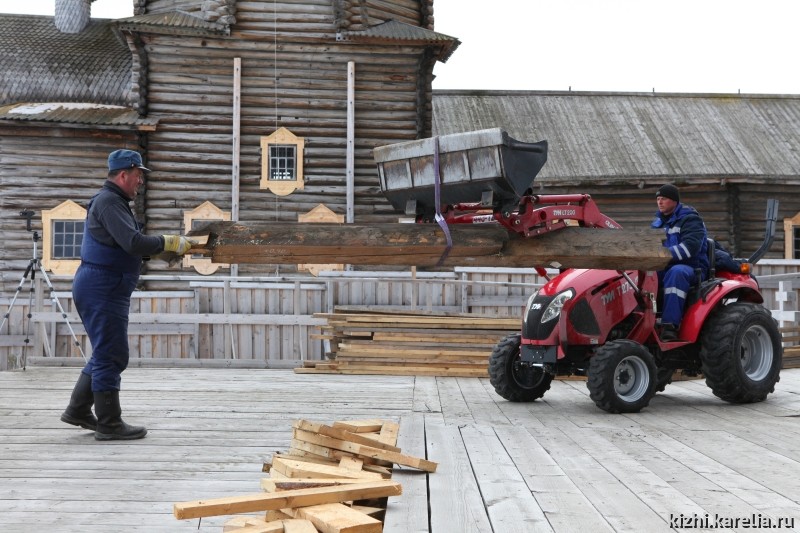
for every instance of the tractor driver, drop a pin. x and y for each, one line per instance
(686, 240)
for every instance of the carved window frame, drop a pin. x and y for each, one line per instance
(205, 212)
(281, 140)
(791, 232)
(67, 211)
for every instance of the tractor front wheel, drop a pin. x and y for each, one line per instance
(741, 353)
(511, 378)
(622, 377)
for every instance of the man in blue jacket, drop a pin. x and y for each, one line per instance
(111, 257)
(686, 240)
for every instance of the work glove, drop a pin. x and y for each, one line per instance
(176, 243)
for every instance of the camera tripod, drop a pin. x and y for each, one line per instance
(35, 265)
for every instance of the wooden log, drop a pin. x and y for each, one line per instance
(423, 245)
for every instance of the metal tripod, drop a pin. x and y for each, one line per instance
(35, 265)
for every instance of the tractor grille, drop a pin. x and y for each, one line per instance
(583, 320)
(533, 328)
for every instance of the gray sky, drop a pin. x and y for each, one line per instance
(695, 46)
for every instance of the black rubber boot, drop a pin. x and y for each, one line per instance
(109, 419)
(79, 410)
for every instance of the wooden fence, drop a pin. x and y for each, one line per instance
(257, 321)
(269, 321)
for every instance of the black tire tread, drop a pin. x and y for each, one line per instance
(721, 369)
(601, 376)
(499, 374)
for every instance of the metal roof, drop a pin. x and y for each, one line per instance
(402, 33)
(607, 137)
(39, 63)
(75, 113)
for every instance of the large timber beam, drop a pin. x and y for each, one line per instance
(423, 245)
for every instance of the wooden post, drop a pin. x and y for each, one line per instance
(235, 169)
(351, 121)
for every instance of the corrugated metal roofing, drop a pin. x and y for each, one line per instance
(70, 113)
(174, 21)
(400, 32)
(605, 137)
(40, 64)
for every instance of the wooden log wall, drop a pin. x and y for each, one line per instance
(359, 14)
(39, 169)
(301, 85)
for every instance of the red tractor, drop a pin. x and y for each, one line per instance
(602, 324)
(596, 323)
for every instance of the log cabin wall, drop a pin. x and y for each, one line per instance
(39, 169)
(294, 78)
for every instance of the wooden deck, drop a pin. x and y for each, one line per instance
(554, 465)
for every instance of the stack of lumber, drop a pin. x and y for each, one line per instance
(404, 343)
(791, 354)
(791, 357)
(334, 478)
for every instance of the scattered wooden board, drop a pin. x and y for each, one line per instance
(335, 479)
(286, 499)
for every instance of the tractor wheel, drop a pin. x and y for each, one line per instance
(622, 377)
(663, 377)
(741, 353)
(513, 380)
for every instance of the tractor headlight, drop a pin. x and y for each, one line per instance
(554, 309)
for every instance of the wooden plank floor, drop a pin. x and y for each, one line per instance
(554, 465)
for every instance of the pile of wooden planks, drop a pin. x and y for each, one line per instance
(791, 354)
(334, 478)
(405, 343)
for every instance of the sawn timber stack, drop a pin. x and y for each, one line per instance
(424, 245)
(409, 343)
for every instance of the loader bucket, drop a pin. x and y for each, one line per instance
(471, 165)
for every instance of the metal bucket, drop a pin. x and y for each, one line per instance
(485, 165)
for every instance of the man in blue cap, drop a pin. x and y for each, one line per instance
(111, 258)
(686, 239)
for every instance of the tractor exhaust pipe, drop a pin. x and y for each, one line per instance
(772, 217)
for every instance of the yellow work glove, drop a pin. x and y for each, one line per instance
(176, 243)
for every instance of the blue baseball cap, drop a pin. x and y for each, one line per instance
(122, 159)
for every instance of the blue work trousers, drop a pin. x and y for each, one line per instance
(676, 282)
(103, 300)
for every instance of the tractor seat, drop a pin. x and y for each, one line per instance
(702, 287)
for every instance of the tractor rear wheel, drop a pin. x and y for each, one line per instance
(622, 377)
(740, 348)
(511, 378)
